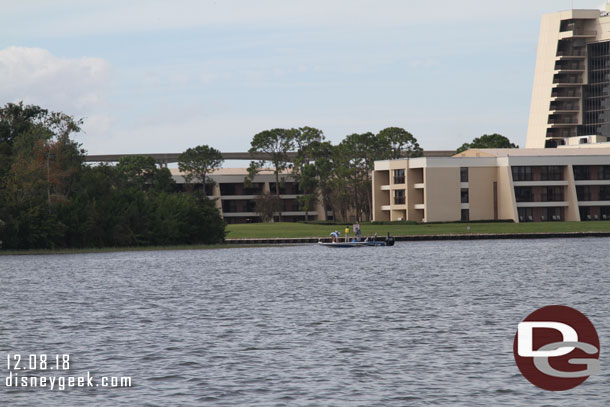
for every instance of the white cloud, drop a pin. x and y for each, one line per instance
(35, 76)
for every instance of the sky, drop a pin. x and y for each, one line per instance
(150, 76)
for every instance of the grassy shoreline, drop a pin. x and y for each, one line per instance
(295, 230)
(286, 230)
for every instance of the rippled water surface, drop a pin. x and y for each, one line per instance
(422, 323)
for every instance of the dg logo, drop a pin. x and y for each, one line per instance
(556, 348)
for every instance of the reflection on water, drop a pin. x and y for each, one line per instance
(421, 323)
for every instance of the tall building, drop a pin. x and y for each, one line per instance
(571, 92)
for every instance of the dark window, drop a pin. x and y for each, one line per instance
(241, 189)
(582, 172)
(551, 173)
(399, 197)
(286, 188)
(604, 172)
(521, 173)
(583, 193)
(552, 194)
(585, 213)
(523, 194)
(464, 174)
(465, 215)
(231, 206)
(604, 193)
(554, 214)
(464, 195)
(399, 176)
(525, 214)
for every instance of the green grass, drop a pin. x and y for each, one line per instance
(291, 230)
(130, 249)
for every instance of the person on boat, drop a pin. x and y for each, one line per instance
(335, 236)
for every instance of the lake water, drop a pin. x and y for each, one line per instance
(421, 323)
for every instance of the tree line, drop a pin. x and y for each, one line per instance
(338, 175)
(49, 197)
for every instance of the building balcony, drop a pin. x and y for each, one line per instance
(564, 93)
(574, 53)
(540, 183)
(592, 182)
(569, 121)
(577, 33)
(593, 203)
(564, 109)
(568, 81)
(547, 204)
(562, 67)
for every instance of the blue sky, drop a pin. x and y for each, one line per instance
(162, 76)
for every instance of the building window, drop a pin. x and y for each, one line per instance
(465, 214)
(464, 195)
(399, 197)
(552, 194)
(583, 193)
(523, 194)
(399, 176)
(582, 172)
(525, 214)
(551, 173)
(464, 174)
(604, 172)
(554, 214)
(521, 173)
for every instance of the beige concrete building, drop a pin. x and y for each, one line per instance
(571, 93)
(522, 185)
(237, 202)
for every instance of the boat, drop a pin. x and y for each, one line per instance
(369, 242)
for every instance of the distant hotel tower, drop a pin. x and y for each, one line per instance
(571, 93)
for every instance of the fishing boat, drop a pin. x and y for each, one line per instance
(369, 242)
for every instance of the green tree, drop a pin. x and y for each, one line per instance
(305, 140)
(321, 154)
(399, 143)
(308, 184)
(266, 205)
(50, 199)
(488, 141)
(143, 173)
(15, 119)
(198, 162)
(358, 153)
(276, 144)
(186, 219)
